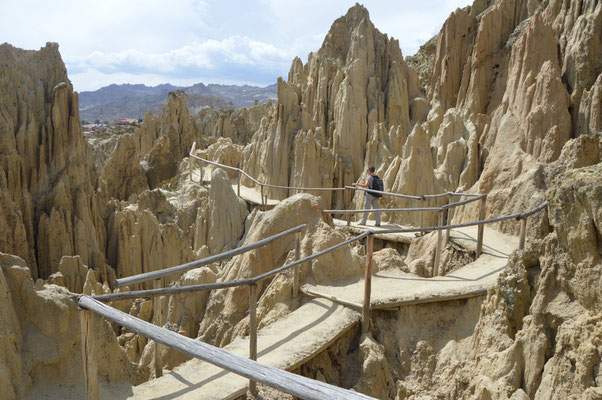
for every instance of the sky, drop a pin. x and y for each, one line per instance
(184, 42)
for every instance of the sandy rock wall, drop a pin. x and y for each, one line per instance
(333, 104)
(38, 349)
(537, 333)
(226, 308)
(237, 125)
(525, 75)
(47, 175)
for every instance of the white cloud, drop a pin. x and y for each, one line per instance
(191, 40)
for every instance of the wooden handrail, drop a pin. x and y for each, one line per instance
(382, 210)
(208, 260)
(285, 381)
(222, 285)
(516, 216)
(410, 209)
(240, 171)
(253, 179)
(405, 196)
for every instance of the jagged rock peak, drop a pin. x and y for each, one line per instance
(338, 40)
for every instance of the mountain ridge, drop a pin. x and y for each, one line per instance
(132, 101)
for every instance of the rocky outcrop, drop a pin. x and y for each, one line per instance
(37, 349)
(331, 106)
(122, 175)
(226, 308)
(139, 242)
(47, 177)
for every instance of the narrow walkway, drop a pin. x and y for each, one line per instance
(287, 344)
(394, 288)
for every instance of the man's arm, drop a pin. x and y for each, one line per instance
(363, 185)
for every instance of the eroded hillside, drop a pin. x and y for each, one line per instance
(507, 102)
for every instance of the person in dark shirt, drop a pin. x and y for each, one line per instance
(369, 199)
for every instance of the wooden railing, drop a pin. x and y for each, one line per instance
(242, 366)
(296, 385)
(347, 189)
(257, 182)
(443, 212)
(251, 282)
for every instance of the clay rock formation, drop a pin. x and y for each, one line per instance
(37, 349)
(122, 175)
(510, 70)
(237, 125)
(331, 106)
(227, 214)
(139, 242)
(226, 308)
(540, 328)
(47, 179)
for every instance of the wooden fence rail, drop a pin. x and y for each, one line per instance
(208, 260)
(92, 303)
(285, 381)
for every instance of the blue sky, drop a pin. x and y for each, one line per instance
(183, 42)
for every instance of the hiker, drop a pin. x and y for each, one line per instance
(371, 198)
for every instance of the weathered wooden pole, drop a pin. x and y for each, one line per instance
(87, 320)
(367, 284)
(238, 184)
(191, 160)
(523, 233)
(347, 201)
(157, 312)
(438, 248)
(448, 213)
(262, 198)
(296, 269)
(253, 332)
(481, 228)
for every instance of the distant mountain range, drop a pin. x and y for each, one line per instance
(127, 101)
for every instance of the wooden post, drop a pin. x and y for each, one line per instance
(191, 160)
(450, 199)
(253, 332)
(87, 320)
(523, 233)
(438, 248)
(262, 199)
(481, 228)
(367, 284)
(421, 223)
(296, 270)
(157, 313)
(238, 185)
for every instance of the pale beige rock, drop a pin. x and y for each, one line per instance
(47, 179)
(376, 379)
(355, 81)
(223, 151)
(140, 243)
(227, 307)
(411, 173)
(50, 348)
(226, 216)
